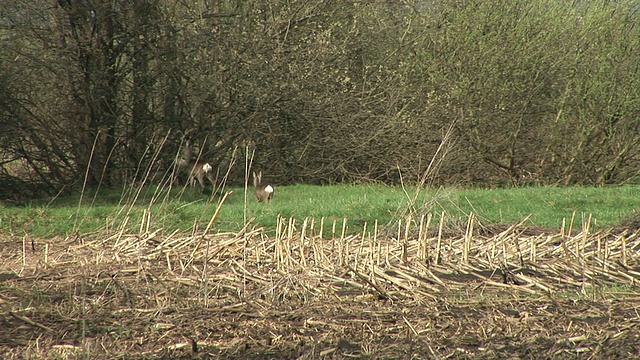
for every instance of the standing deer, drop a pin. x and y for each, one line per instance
(198, 168)
(264, 192)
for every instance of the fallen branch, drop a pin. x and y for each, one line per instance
(29, 321)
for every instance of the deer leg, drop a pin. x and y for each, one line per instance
(191, 181)
(201, 179)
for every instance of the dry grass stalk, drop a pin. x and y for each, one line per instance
(155, 273)
(573, 218)
(624, 251)
(533, 248)
(375, 246)
(424, 236)
(333, 230)
(363, 238)
(312, 231)
(399, 232)
(289, 246)
(216, 213)
(303, 259)
(467, 238)
(439, 242)
(382, 293)
(586, 228)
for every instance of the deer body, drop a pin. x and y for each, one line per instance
(264, 192)
(198, 169)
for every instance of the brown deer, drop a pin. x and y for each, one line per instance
(198, 169)
(264, 192)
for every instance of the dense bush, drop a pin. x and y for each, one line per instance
(324, 91)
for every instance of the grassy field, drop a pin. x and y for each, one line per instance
(134, 275)
(182, 210)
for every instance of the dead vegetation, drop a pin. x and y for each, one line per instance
(298, 295)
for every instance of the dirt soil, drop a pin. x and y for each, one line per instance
(242, 297)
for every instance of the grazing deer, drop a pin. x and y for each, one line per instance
(198, 168)
(264, 192)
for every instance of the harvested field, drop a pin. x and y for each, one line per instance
(513, 293)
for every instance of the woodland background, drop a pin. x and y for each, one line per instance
(468, 92)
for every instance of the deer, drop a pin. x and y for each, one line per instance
(264, 192)
(198, 169)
